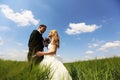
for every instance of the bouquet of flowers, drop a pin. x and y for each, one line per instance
(46, 41)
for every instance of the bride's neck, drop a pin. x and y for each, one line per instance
(52, 40)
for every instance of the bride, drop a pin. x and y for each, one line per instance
(58, 70)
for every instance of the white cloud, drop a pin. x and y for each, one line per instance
(4, 28)
(87, 58)
(89, 52)
(97, 41)
(22, 19)
(109, 45)
(1, 41)
(101, 57)
(78, 38)
(93, 45)
(19, 44)
(14, 54)
(117, 32)
(105, 20)
(78, 28)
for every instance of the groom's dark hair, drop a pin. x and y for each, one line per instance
(42, 25)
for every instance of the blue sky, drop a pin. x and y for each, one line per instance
(88, 29)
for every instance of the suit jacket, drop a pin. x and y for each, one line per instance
(35, 43)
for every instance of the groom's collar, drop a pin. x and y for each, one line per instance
(39, 32)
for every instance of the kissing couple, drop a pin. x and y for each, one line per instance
(36, 54)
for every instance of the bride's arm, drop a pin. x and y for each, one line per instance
(53, 51)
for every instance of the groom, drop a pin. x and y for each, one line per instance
(35, 44)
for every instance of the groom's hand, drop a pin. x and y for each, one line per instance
(39, 53)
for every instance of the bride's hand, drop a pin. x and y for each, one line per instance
(39, 53)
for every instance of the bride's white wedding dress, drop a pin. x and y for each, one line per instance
(58, 70)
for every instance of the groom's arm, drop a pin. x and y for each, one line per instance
(32, 39)
(53, 51)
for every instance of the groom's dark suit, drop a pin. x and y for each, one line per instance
(35, 44)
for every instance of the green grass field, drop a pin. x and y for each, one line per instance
(104, 69)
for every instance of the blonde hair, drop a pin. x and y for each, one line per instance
(55, 37)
